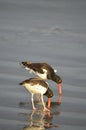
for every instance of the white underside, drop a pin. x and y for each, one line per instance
(35, 89)
(43, 76)
(30, 70)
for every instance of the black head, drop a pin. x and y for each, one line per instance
(57, 79)
(49, 93)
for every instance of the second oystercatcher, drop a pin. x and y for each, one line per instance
(38, 86)
(44, 71)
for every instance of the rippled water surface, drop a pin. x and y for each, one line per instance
(43, 31)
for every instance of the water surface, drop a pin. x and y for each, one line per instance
(43, 31)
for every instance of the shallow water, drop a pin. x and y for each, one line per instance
(43, 31)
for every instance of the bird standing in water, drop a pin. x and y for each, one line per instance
(44, 71)
(38, 86)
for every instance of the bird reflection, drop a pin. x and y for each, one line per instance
(40, 120)
(37, 120)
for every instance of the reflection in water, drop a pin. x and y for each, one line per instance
(36, 120)
(40, 120)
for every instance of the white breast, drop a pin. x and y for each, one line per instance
(30, 70)
(36, 88)
(44, 75)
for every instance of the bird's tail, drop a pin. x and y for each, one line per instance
(25, 63)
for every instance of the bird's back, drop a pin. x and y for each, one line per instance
(35, 85)
(40, 68)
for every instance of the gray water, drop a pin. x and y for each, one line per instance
(52, 31)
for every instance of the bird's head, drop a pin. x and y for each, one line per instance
(49, 94)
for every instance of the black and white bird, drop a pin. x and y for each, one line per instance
(38, 86)
(44, 71)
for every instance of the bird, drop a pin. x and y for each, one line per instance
(44, 71)
(38, 86)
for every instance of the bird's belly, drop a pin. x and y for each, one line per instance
(36, 89)
(43, 76)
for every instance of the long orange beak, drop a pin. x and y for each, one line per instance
(60, 88)
(59, 99)
(49, 103)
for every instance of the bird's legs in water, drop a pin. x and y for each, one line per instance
(45, 109)
(33, 101)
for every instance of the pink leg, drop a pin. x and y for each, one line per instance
(45, 109)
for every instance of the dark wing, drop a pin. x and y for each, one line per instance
(50, 70)
(37, 67)
(34, 81)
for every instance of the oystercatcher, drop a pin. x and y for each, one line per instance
(38, 86)
(44, 71)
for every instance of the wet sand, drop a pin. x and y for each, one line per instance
(43, 31)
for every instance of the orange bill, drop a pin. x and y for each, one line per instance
(60, 88)
(59, 100)
(49, 103)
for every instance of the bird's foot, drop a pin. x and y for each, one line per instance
(46, 109)
(34, 108)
